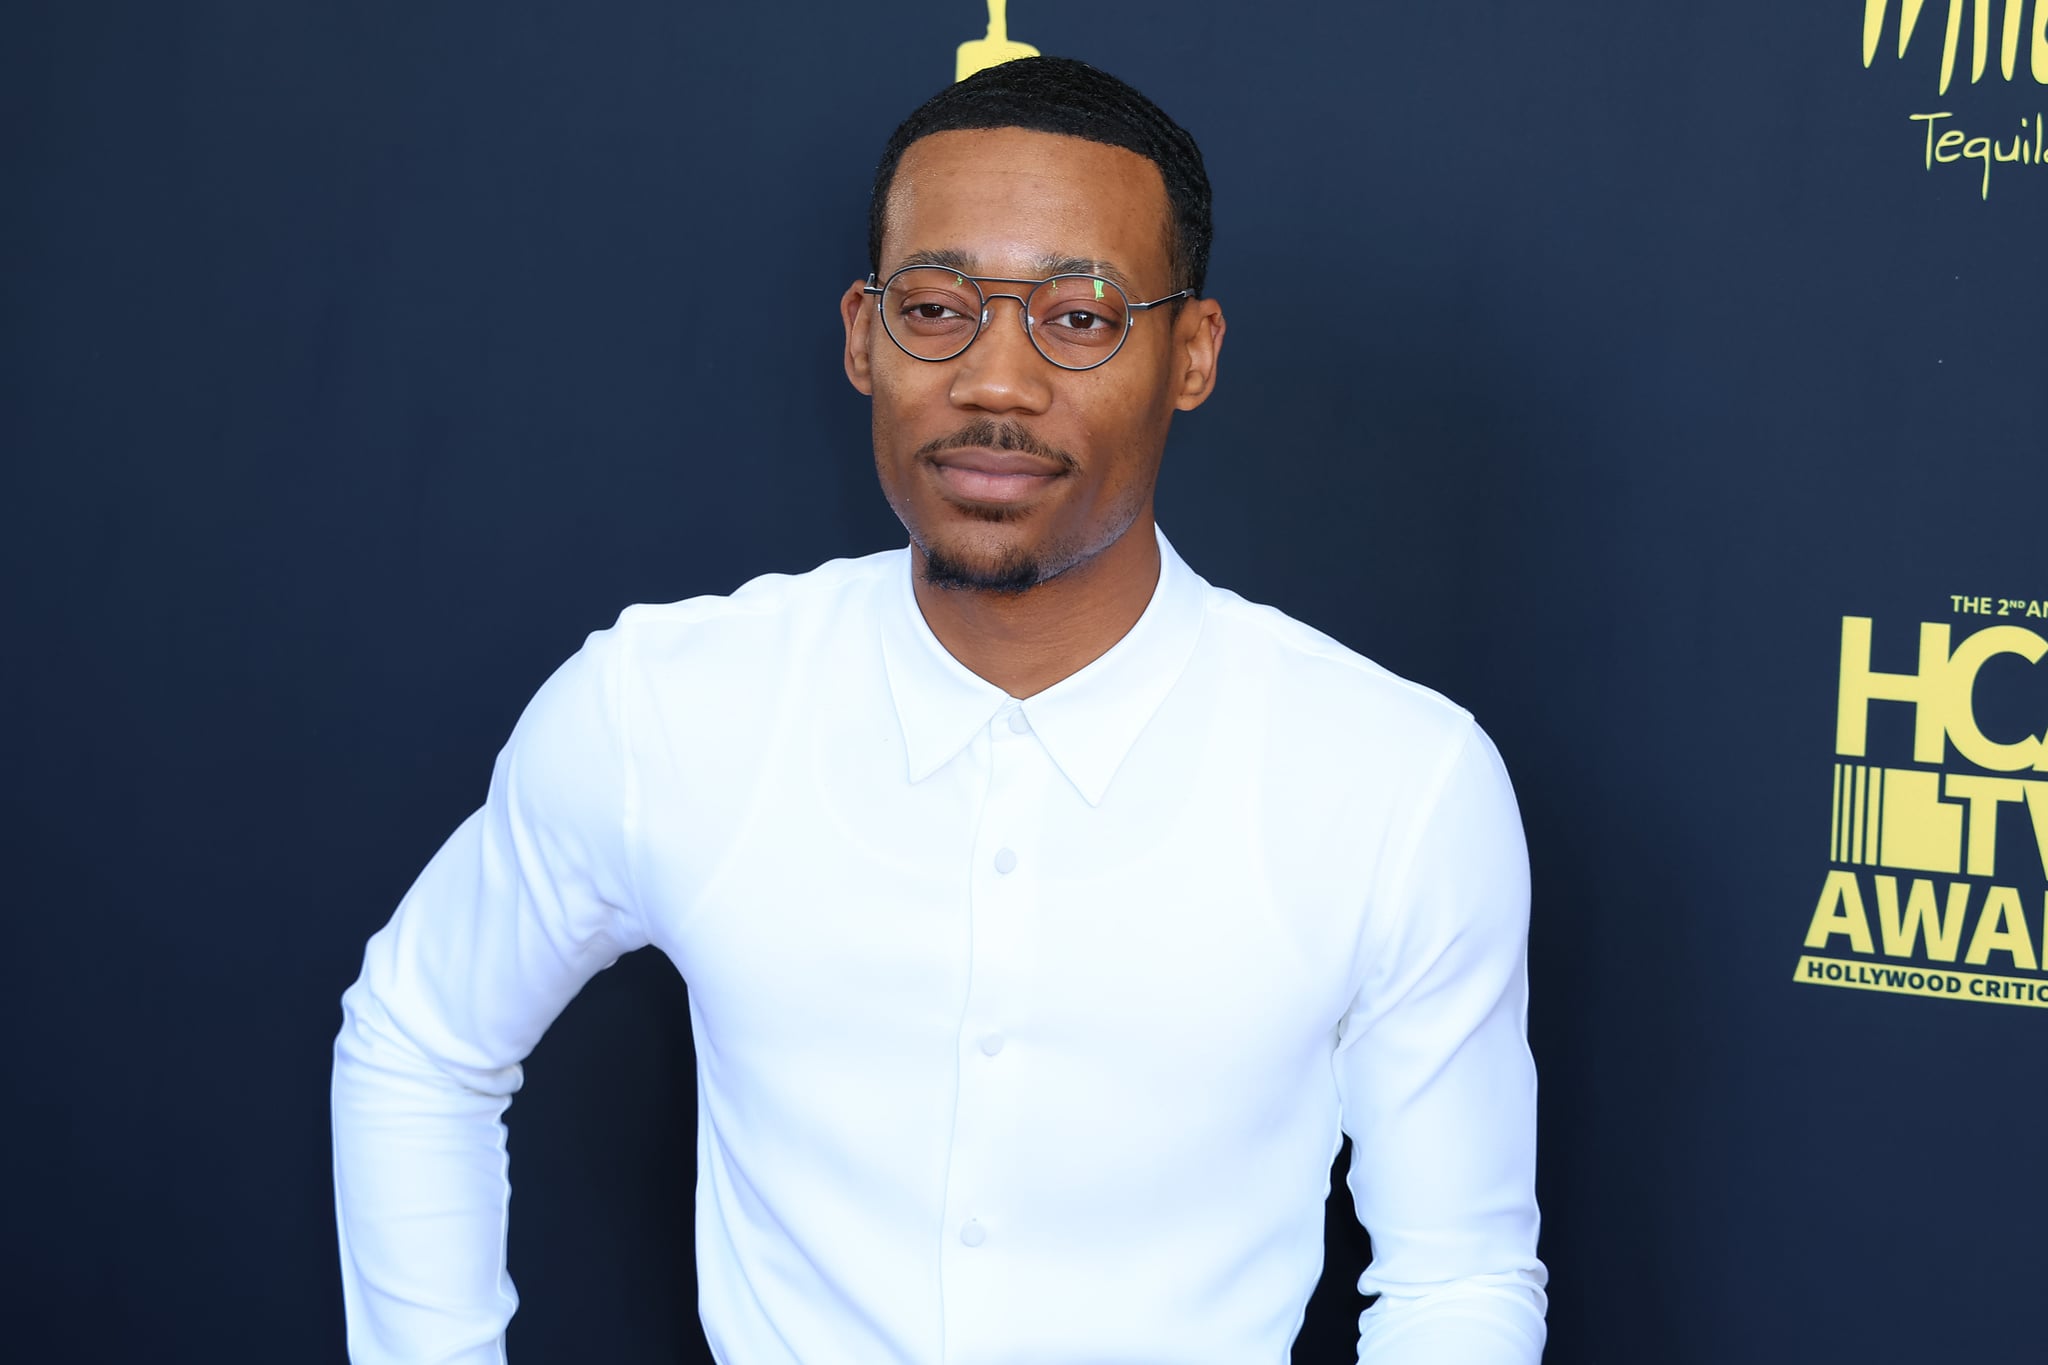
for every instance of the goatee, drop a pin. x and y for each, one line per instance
(1014, 573)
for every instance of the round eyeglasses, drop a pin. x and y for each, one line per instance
(1077, 322)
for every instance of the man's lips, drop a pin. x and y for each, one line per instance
(978, 474)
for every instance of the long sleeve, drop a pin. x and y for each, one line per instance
(527, 900)
(1438, 1087)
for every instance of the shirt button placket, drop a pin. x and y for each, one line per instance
(1003, 895)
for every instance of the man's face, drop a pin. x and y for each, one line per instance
(1006, 469)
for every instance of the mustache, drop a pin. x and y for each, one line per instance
(986, 434)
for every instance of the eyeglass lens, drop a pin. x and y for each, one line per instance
(1076, 321)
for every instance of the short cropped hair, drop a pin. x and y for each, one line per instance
(1061, 95)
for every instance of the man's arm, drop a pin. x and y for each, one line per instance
(527, 900)
(1438, 1087)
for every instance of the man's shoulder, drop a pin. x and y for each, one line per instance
(775, 611)
(1319, 676)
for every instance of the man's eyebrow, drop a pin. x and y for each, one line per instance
(958, 261)
(1047, 266)
(1077, 265)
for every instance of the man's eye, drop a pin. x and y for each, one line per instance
(930, 311)
(1078, 320)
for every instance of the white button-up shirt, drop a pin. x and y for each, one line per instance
(1025, 1029)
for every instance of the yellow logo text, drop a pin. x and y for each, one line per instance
(979, 54)
(1875, 13)
(1938, 884)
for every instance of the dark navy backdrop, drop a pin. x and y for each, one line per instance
(1588, 362)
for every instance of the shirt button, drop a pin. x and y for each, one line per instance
(972, 1234)
(1006, 861)
(1018, 723)
(991, 1044)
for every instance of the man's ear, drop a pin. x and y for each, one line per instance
(859, 320)
(1197, 341)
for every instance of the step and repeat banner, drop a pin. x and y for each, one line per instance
(1663, 382)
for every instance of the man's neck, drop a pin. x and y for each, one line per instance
(1025, 642)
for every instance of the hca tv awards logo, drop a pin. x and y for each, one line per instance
(1953, 143)
(1938, 884)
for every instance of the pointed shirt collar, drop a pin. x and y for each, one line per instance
(1087, 722)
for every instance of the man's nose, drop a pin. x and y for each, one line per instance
(1002, 371)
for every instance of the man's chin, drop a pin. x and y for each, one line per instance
(1008, 572)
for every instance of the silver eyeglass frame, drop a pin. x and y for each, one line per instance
(1131, 312)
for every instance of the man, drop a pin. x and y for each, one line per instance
(1045, 910)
